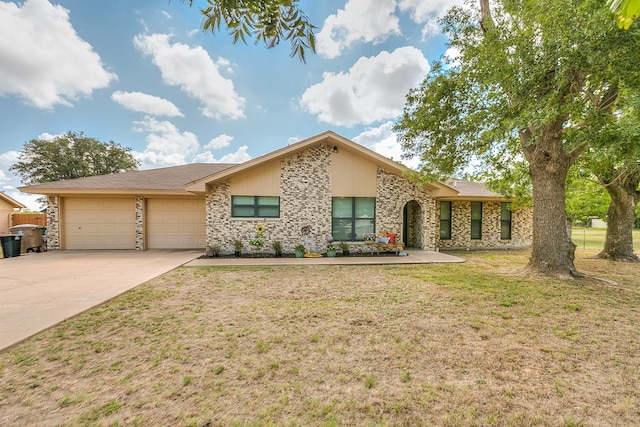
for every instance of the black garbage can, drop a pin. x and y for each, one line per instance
(10, 245)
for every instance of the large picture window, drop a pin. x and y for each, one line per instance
(255, 206)
(352, 217)
(476, 220)
(505, 221)
(445, 220)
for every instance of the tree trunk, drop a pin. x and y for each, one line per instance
(552, 251)
(618, 245)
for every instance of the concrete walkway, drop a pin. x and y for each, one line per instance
(40, 290)
(414, 257)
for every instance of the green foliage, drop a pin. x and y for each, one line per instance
(508, 85)
(277, 247)
(511, 180)
(532, 81)
(268, 21)
(626, 11)
(69, 156)
(585, 198)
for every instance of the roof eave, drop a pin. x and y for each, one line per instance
(16, 204)
(330, 137)
(65, 192)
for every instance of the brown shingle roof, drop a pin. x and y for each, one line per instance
(163, 179)
(468, 189)
(11, 201)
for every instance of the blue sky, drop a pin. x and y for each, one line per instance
(142, 74)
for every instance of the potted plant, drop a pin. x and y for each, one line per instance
(331, 250)
(300, 251)
(237, 248)
(345, 248)
(277, 248)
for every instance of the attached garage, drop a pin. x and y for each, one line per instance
(98, 223)
(177, 223)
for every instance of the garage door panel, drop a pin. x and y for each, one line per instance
(99, 223)
(175, 224)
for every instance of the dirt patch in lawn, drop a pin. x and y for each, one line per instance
(455, 344)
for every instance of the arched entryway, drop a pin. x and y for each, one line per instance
(412, 225)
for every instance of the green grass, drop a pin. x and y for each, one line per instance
(593, 238)
(469, 344)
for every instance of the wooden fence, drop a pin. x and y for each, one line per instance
(28, 218)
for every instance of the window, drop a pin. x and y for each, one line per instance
(255, 206)
(505, 221)
(476, 220)
(445, 220)
(352, 217)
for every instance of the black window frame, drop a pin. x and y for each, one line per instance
(505, 222)
(256, 207)
(476, 232)
(353, 237)
(445, 224)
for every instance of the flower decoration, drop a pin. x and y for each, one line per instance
(369, 237)
(258, 240)
(330, 246)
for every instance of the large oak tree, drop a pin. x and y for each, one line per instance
(69, 156)
(530, 79)
(614, 158)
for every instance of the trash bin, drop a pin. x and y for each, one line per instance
(31, 237)
(10, 245)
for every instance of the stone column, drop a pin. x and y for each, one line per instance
(53, 223)
(140, 222)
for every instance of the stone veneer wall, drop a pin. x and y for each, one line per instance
(521, 227)
(140, 220)
(393, 193)
(305, 199)
(53, 223)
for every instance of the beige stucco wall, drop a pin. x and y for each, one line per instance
(521, 227)
(5, 216)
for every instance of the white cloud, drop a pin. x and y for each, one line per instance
(219, 142)
(384, 141)
(423, 11)
(145, 103)
(193, 70)
(59, 68)
(293, 140)
(373, 89)
(360, 21)
(7, 159)
(9, 182)
(166, 145)
(239, 156)
(428, 13)
(46, 136)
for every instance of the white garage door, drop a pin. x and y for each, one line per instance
(175, 224)
(99, 223)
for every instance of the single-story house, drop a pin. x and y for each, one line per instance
(327, 183)
(8, 206)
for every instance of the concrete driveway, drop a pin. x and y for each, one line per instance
(39, 290)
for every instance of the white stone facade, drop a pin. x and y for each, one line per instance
(521, 227)
(306, 200)
(302, 178)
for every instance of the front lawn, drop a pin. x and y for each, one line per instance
(441, 344)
